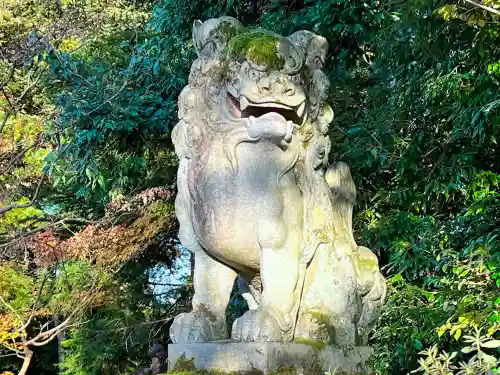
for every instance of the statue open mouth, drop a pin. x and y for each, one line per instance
(244, 108)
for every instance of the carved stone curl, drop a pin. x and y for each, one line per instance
(257, 200)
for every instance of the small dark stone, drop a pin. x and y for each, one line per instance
(143, 371)
(158, 351)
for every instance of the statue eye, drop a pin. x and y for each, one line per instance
(296, 78)
(317, 63)
(254, 74)
(209, 49)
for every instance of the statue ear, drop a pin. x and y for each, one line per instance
(325, 117)
(210, 37)
(198, 39)
(327, 113)
(315, 48)
(339, 179)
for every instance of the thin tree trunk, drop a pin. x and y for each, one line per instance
(28, 354)
(60, 338)
(191, 265)
(254, 7)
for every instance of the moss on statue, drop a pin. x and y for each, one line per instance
(259, 47)
(366, 262)
(324, 322)
(281, 371)
(225, 30)
(319, 345)
(185, 366)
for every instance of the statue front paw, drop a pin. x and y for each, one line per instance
(271, 126)
(256, 325)
(197, 326)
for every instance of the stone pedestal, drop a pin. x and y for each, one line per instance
(245, 357)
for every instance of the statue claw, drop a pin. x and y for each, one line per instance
(196, 327)
(256, 326)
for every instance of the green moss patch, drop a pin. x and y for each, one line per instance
(225, 30)
(365, 262)
(184, 364)
(259, 47)
(315, 344)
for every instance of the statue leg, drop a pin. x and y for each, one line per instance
(329, 303)
(280, 239)
(372, 289)
(213, 282)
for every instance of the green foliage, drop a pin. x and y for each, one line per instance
(52, 290)
(117, 336)
(17, 288)
(18, 219)
(116, 120)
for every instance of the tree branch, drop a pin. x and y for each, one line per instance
(32, 313)
(6, 96)
(17, 100)
(9, 355)
(27, 89)
(53, 336)
(168, 284)
(53, 331)
(9, 76)
(10, 307)
(5, 118)
(132, 326)
(107, 101)
(15, 159)
(9, 207)
(13, 239)
(485, 7)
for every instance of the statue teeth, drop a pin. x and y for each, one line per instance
(301, 109)
(243, 103)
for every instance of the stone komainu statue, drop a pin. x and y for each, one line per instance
(256, 199)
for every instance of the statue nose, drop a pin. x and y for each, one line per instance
(285, 86)
(280, 86)
(264, 85)
(289, 91)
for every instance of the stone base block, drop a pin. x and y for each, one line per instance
(243, 357)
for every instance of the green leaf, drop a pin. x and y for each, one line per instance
(418, 344)
(156, 67)
(491, 344)
(467, 349)
(88, 173)
(397, 278)
(101, 182)
(487, 358)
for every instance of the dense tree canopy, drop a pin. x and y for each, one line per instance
(88, 96)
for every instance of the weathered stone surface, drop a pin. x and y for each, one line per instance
(267, 357)
(257, 200)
